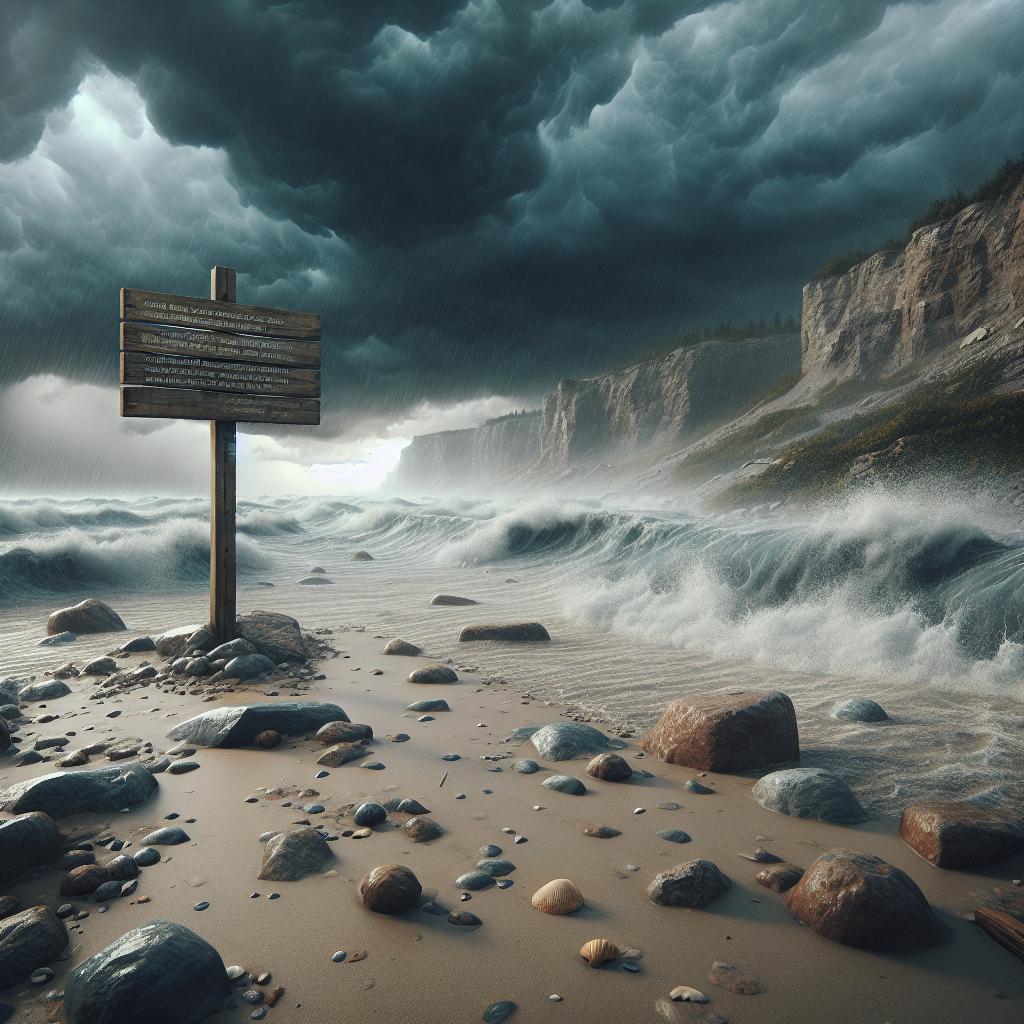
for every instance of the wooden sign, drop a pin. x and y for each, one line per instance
(157, 308)
(212, 359)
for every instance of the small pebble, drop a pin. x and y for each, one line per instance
(639, 810)
(202, 905)
(340, 956)
(554, 997)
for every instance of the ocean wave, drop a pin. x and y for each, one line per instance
(161, 558)
(879, 588)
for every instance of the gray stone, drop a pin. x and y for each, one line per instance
(147, 856)
(369, 814)
(46, 689)
(693, 884)
(88, 616)
(174, 642)
(474, 881)
(238, 726)
(198, 667)
(122, 867)
(170, 835)
(10, 712)
(100, 667)
(182, 767)
(674, 835)
(433, 704)
(316, 581)
(138, 645)
(515, 632)
(249, 666)
(27, 841)
(562, 741)
(565, 784)
(422, 830)
(103, 790)
(58, 638)
(402, 648)
(107, 891)
(526, 767)
(496, 868)
(859, 709)
(27, 941)
(232, 649)
(452, 600)
(433, 674)
(290, 856)
(809, 793)
(275, 635)
(159, 973)
(341, 753)
(361, 556)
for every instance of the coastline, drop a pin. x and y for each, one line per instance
(421, 968)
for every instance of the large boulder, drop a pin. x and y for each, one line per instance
(693, 884)
(962, 835)
(45, 689)
(27, 841)
(159, 973)
(103, 790)
(290, 856)
(562, 741)
(272, 634)
(28, 941)
(174, 642)
(809, 793)
(238, 726)
(88, 616)
(521, 632)
(734, 732)
(861, 900)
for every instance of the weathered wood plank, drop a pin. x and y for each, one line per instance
(138, 306)
(223, 540)
(179, 341)
(185, 404)
(166, 371)
(1006, 930)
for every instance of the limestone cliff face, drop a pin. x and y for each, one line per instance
(900, 308)
(478, 455)
(660, 402)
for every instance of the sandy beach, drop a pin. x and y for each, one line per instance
(419, 967)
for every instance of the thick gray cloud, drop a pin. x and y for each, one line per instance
(479, 197)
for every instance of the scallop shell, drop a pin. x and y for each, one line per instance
(599, 951)
(559, 896)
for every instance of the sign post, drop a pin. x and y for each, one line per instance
(187, 358)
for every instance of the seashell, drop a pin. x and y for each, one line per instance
(599, 951)
(266, 740)
(558, 897)
(685, 994)
(389, 889)
(369, 814)
(610, 767)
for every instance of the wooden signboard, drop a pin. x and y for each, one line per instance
(213, 359)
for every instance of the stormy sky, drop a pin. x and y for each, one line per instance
(478, 198)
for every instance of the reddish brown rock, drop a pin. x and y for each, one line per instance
(961, 835)
(734, 732)
(89, 616)
(610, 767)
(84, 879)
(861, 900)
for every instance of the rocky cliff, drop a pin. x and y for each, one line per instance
(902, 308)
(660, 402)
(471, 457)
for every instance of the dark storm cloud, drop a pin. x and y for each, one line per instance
(481, 197)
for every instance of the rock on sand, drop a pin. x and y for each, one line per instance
(735, 733)
(562, 741)
(102, 790)
(289, 856)
(28, 941)
(518, 632)
(962, 835)
(27, 841)
(809, 793)
(88, 616)
(160, 973)
(861, 900)
(238, 726)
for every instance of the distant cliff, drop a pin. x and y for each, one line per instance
(659, 402)
(900, 308)
(471, 457)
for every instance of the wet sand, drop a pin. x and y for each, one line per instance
(419, 967)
